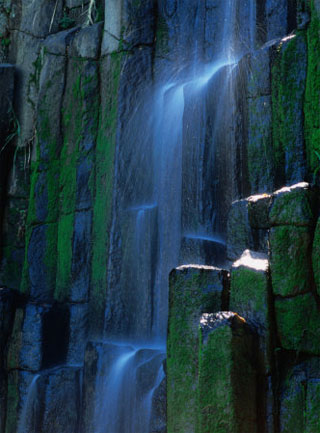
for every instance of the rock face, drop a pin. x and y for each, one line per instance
(81, 232)
(228, 344)
(193, 291)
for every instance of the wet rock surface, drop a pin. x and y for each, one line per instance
(71, 193)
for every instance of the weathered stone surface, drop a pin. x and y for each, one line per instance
(292, 403)
(316, 255)
(239, 236)
(40, 262)
(313, 406)
(299, 398)
(259, 83)
(289, 71)
(19, 383)
(81, 255)
(25, 54)
(25, 350)
(159, 409)
(86, 42)
(260, 154)
(230, 404)
(193, 291)
(295, 205)
(277, 13)
(39, 18)
(7, 73)
(298, 323)
(112, 27)
(250, 297)
(290, 259)
(78, 333)
(62, 400)
(247, 225)
(258, 211)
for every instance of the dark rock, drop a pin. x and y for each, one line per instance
(258, 211)
(61, 400)
(260, 154)
(159, 409)
(22, 397)
(25, 345)
(7, 74)
(277, 18)
(81, 254)
(239, 235)
(78, 333)
(41, 260)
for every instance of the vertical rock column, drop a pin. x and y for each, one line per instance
(193, 291)
(227, 376)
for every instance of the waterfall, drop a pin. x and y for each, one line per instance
(167, 208)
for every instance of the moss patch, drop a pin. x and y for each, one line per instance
(289, 260)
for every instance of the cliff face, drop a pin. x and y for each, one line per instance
(83, 199)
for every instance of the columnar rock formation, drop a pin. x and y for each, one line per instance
(86, 87)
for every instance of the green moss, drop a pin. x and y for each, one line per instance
(249, 293)
(216, 402)
(260, 160)
(298, 323)
(288, 87)
(296, 207)
(312, 95)
(192, 292)
(316, 255)
(104, 166)
(289, 260)
(77, 118)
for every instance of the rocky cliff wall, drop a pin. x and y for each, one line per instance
(66, 95)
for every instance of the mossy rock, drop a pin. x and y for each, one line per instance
(289, 72)
(227, 386)
(298, 323)
(239, 235)
(316, 256)
(292, 403)
(250, 297)
(313, 406)
(290, 259)
(295, 205)
(193, 291)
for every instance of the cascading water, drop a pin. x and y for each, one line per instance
(167, 210)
